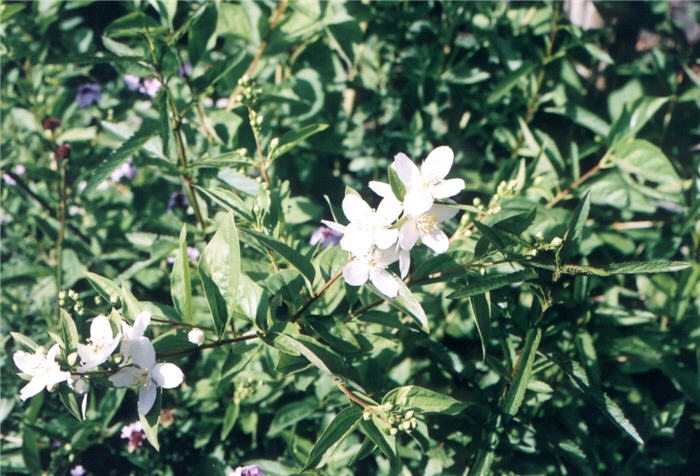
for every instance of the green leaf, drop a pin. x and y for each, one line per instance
(653, 266)
(618, 416)
(645, 160)
(228, 200)
(180, 280)
(582, 117)
(120, 49)
(481, 284)
(232, 158)
(219, 269)
(523, 371)
(405, 302)
(200, 33)
(318, 354)
(335, 333)
(129, 147)
(24, 341)
(230, 417)
(134, 23)
(384, 442)
(192, 18)
(481, 308)
(69, 332)
(507, 83)
(634, 116)
(423, 401)
(69, 401)
(292, 413)
(293, 138)
(575, 226)
(167, 137)
(104, 286)
(294, 258)
(342, 425)
(397, 186)
(150, 422)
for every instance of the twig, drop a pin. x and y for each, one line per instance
(564, 193)
(317, 295)
(208, 346)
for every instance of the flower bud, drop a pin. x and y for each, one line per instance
(72, 358)
(393, 430)
(63, 151)
(51, 124)
(196, 336)
(366, 415)
(81, 386)
(556, 241)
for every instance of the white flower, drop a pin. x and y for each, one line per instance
(426, 228)
(196, 336)
(100, 345)
(134, 334)
(147, 375)
(427, 184)
(372, 267)
(367, 227)
(43, 369)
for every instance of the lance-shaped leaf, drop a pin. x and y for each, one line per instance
(523, 371)
(481, 284)
(219, 269)
(342, 425)
(295, 258)
(481, 308)
(575, 227)
(405, 302)
(293, 138)
(653, 266)
(423, 400)
(150, 422)
(180, 281)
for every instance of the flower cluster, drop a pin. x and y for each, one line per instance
(378, 238)
(43, 371)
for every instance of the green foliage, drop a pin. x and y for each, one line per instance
(557, 335)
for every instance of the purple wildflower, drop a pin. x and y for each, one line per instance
(78, 470)
(252, 470)
(134, 433)
(179, 200)
(148, 86)
(126, 170)
(192, 254)
(88, 94)
(132, 82)
(325, 237)
(185, 69)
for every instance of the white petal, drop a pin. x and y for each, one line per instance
(384, 282)
(389, 210)
(334, 226)
(35, 386)
(443, 212)
(436, 241)
(356, 273)
(405, 168)
(147, 397)
(356, 210)
(382, 189)
(448, 188)
(126, 377)
(100, 328)
(87, 358)
(438, 163)
(27, 362)
(167, 375)
(143, 353)
(408, 235)
(57, 376)
(53, 353)
(384, 258)
(404, 262)
(385, 238)
(356, 240)
(142, 321)
(418, 202)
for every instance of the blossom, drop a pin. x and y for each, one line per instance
(134, 433)
(252, 470)
(78, 470)
(51, 124)
(196, 336)
(43, 370)
(147, 375)
(126, 170)
(88, 94)
(100, 345)
(367, 227)
(427, 183)
(133, 334)
(372, 267)
(148, 86)
(177, 199)
(325, 237)
(192, 254)
(185, 69)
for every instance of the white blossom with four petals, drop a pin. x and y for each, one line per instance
(372, 267)
(43, 370)
(428, 183)
(146, 374)
(100, 346)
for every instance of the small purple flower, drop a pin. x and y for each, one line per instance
(325, 237)
(148, 86)
(179, 200)
(126, 170)
(185, 69)
(252, 470)
(192, 254)
(134, 433)
(7, 178)
(78, 470)
(88, 94)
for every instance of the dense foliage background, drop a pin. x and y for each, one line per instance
(554, 362)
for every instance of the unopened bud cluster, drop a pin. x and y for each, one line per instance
(249, 94)
(70, 301)
(400, 420)
(245, 389)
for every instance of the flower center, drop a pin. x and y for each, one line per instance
(143, 378)
(426, 224)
